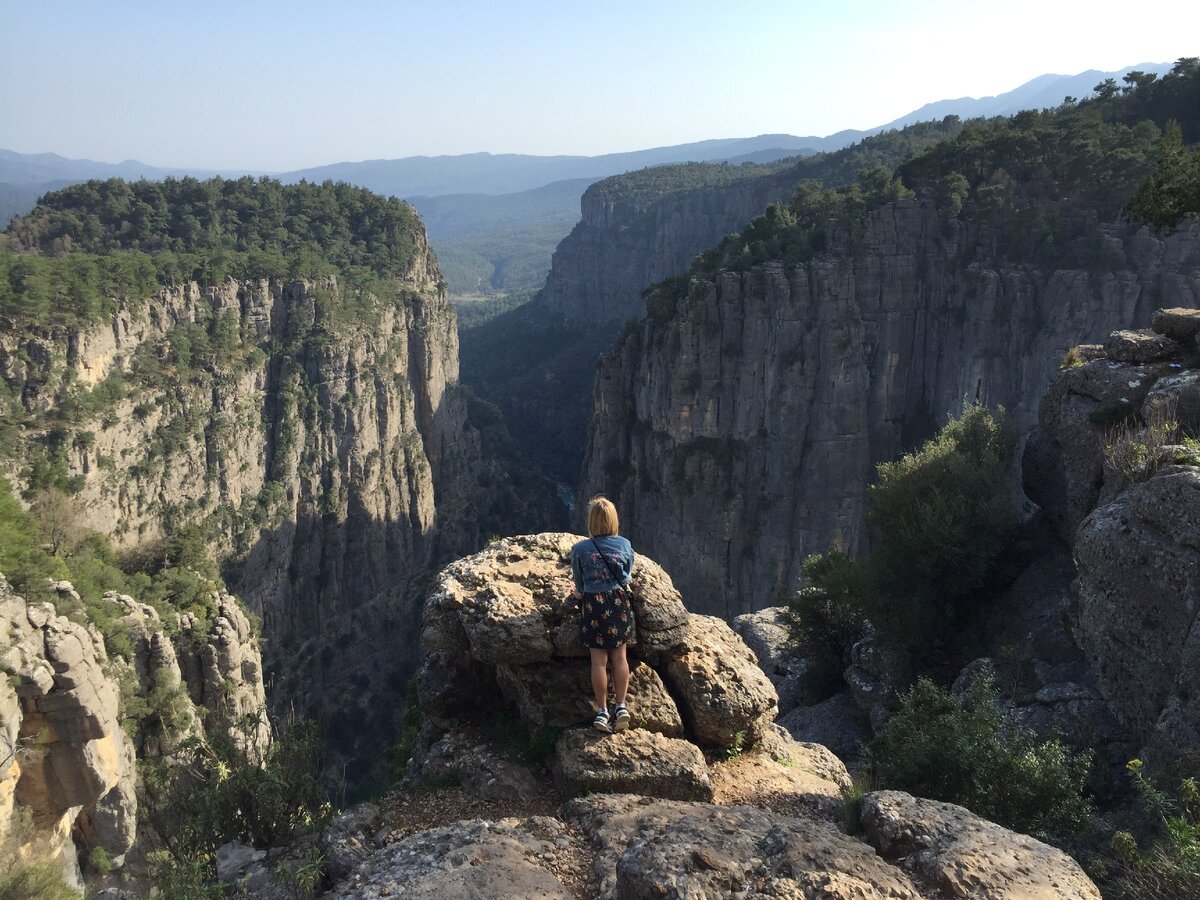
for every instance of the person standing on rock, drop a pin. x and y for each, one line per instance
(603, 566)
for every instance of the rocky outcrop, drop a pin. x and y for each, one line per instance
(217, 664)
(1132, 516)
(638, 822)
(738, 433)
(66, 758)
(503, 624)
(69, 743)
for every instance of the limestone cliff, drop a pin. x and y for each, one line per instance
(738, 432)
(536, 362)
(316, 433)
(71, 728)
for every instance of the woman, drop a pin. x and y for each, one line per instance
(602, 566)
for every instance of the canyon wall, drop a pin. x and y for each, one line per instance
(323, 446)
(738, 433)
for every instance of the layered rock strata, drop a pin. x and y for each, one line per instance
(739, 433)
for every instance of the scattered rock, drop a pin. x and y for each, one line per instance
(348, 840)
(966, 856)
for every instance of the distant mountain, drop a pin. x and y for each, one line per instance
(1040, 93)
(40, 168)
(448, 215)
(506, 173)
(18, 199)
(494, 219)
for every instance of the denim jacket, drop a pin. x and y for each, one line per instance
(591, 574)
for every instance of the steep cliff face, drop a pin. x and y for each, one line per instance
(738, 433)
(315, 432)
(622, 245)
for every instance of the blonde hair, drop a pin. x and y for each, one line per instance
(602, 516)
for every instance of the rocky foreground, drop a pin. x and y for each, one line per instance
(704, 797)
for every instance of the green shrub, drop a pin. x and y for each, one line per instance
(34, 881)
(1135, 449)
(208, 792)
(965, 750)
(825, 617)
(1170, 867)
(402, 750)
(943, 516)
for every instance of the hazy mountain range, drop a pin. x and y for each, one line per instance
(492, 215)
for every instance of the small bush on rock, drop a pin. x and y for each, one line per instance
(825, 617)
(966, 750)
(1170, 868)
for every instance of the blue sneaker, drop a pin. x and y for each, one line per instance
(600, 723)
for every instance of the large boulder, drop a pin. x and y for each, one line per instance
(766, 633)
(633, 761)
(967, 857)
(725, 696)
(500, 630)
(1136, 614)
(678, 851)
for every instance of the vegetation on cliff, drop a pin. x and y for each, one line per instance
(1035, 185)
(84, 249)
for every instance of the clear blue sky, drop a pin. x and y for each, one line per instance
(274, 85)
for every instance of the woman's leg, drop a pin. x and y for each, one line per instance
(600, 676)
(620, 667)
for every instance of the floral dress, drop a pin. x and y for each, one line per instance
(606, 620)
